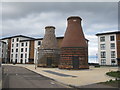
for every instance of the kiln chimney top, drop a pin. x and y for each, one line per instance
(49, 27)
(74, 17)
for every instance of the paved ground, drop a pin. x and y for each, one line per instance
(78, 78)
(0, 77)
(96, 86)
(19, 77)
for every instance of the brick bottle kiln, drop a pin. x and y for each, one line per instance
(48, 52)
(74, 47)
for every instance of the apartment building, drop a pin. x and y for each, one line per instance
(3, 52)
(108, 48)
(18, 49)
(15, 47)
(23, 49)
(7, 40)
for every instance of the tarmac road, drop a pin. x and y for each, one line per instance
(19, 77)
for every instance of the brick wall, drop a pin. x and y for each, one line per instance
(118, 46)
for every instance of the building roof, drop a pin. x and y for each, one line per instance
(42, 39)
(39, 39)
(106, 33)
(17, 36)
(2, 42)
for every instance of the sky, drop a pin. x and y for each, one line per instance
(30, 19)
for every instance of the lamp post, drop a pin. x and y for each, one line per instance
(36, 57)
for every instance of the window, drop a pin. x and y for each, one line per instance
(21, 55)
(22, 44)
(39, 42)
(16, 50)
(25, 49)
(103, 62)
(26, 43)
(16, 55)
(112, 54)
(12, 45)
(103, 54)
(102, 39)
(17, 39)
(102, 46)
(113, 61)
(112, 38)
(112, 45)
(16, 44)
(25, 55)
(12, 40)
(21, 49)
(12, 50)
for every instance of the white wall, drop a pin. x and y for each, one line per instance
(19, 49)
(107, 49)
(36, 46)
(3, 51)
(25, 59)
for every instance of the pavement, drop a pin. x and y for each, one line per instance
(20, 77)
(77, 78)
(0, 78)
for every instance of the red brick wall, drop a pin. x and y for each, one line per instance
(68, 53)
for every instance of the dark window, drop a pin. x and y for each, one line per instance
(39, 42)
(103, 54)
(17, 39)
(21, 49)
(26, 43)
(102, 46)
(113, 61)
(112, 38)
(12, 50)
(16, 55)
(25, 49)
(112, 45)
(16, 44)
(103, 62)
(25, 55)
(21, 55)
(12, 45)
(12, 40)
(102, 39)
(112, 54)
(22, 44)
(16, 50)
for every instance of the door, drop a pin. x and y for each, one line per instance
(75, 62)
(21, 61)
(49, 61)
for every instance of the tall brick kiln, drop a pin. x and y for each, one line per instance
(48, 52)
(74, 47)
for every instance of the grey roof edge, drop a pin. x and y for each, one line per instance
(106, 33)
(17, 36)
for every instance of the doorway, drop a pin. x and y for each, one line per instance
(49, 61)
(75, 62)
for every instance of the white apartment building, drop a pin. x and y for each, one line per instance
(37, 44)
(108, 48)
(3, 52)
(19, 50)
